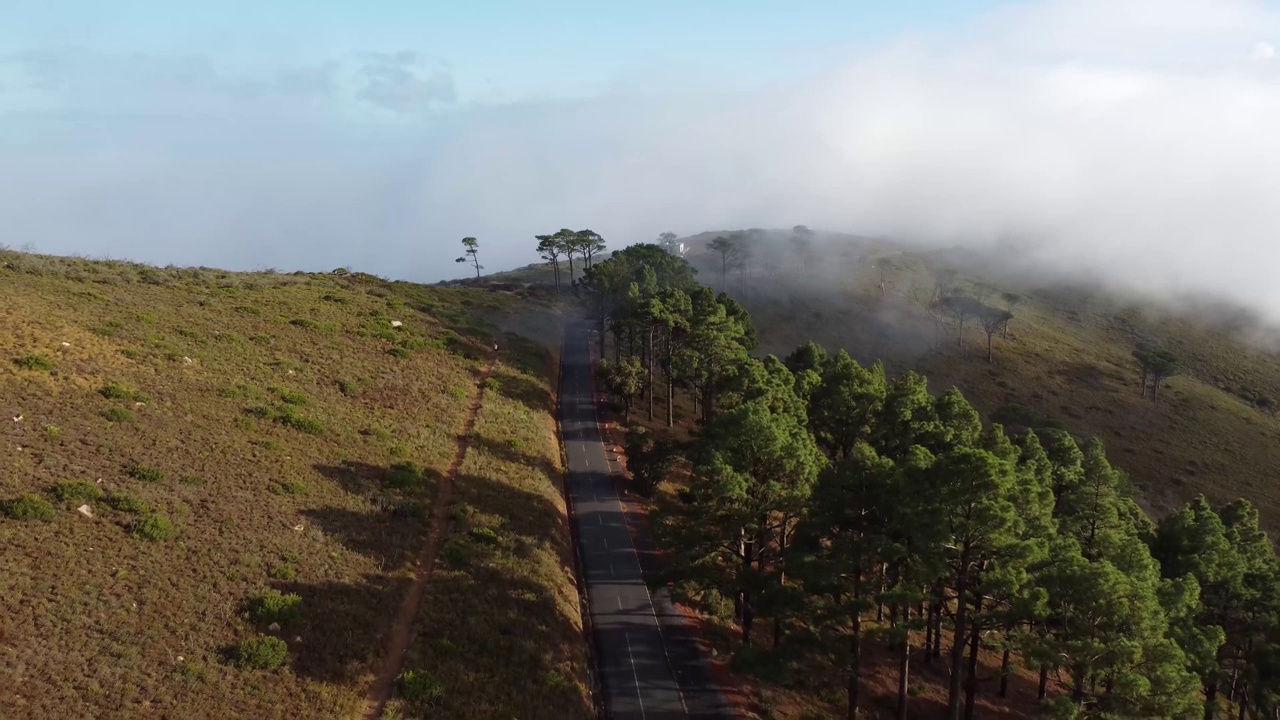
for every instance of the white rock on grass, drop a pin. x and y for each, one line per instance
(85, 510)
(396, 323)
(274, 627)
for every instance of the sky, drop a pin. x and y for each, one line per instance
(1130, 140)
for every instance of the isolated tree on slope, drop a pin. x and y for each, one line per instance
(992, 320)
(589, 243)
(802, 246)
(727, 250)
(471, 247)
(568, 242)
(1011, 302)
(550, 249)
(1156, 365)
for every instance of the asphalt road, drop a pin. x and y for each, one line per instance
(650, 667)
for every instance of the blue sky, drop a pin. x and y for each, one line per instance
(1101, 134)
(495, 51)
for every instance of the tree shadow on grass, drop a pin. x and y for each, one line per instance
(522, 389)
(344, 626)
(515, 455)
(499, 628)
(361, 478)
(390, 536)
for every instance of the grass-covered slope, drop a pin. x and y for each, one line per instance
(235, 434)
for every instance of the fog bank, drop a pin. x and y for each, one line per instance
(1131, 141)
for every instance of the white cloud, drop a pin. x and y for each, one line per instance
(1125, 139)
(1263, 51)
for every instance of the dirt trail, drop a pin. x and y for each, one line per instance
(402, 631)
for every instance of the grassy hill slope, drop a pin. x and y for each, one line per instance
(238, 433)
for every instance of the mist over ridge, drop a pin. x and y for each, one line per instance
(1130, 143)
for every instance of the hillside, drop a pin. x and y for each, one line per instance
(1067, 360)
(234, 435)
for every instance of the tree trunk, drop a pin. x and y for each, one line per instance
(671, 402)
(1004, 672)
(957, 650)
(748, 613)
(1144, 383)
(937, 621)
(571, 269)
(649, 364)
(1043, 691)
(971, 676)
(1210, 700)
(989, 336)
(855, 648)
(904, 664)
(928, 634)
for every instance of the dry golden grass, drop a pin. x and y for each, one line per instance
(271, 406)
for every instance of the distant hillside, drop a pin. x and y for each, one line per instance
(1067, 359)
(257, 456)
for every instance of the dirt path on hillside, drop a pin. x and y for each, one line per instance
(403, 629)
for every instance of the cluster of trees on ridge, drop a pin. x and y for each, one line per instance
(839, 503)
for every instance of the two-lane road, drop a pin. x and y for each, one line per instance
(650, 667)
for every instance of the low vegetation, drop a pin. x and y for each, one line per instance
(199, 510)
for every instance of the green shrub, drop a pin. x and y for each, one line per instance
(258, 411)
(457, 552)
(421, 689)
(154, 528)
(284, 572)
(29, 507)
(377, 433)
(191, 672)
(273, 606)
(77, 490)
(348, 388)
(146, 474)
(404, 476)
(291, 397)
(304, 323)
(262, 653)
(191, 480)
(118, 415)
(34, 362)
(492, 384)
(399, 352)
(115, 391)
(484, 536)
(126, 503)
(307, 425)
